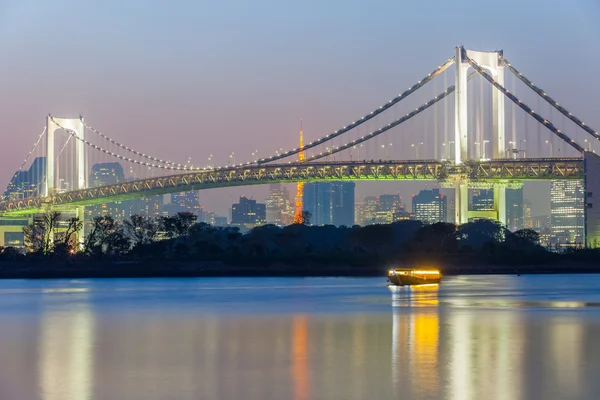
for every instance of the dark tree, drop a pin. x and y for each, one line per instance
(39, 236)
(141, 230)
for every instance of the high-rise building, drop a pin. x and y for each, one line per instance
(367, 210)
(329, 203)
(103, 174)
(514, 209)
(567, 212)
(184, 202)
(387, 208)
(527, 216)
(248, 212)
(482, 199)
(27, 183)
(342, 203)
(430, 206)
(279, 210)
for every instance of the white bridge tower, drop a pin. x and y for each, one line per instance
(492, 62)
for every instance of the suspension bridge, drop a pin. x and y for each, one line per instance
(455, 158)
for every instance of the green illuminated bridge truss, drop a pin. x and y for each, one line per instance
(490, 172)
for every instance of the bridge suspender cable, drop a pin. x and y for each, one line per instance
(143, 155)
(171, 167)
(120, 157)
(523, 106)
(391, 125)
(364, 119)
(28, 156)
(550, 100)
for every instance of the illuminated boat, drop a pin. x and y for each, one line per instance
(411, 276)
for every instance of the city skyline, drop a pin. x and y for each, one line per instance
(312, 86)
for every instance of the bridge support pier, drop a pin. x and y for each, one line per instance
(461, 201)
(591, 167)
(500, 203)
(462, 214)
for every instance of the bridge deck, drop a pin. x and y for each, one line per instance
(488, 171)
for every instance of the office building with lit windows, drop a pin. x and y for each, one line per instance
(27, 183)
(279, 209)
(430, 206)
(186, 202)
(387, 208)
(482, 199)
(329, 203)
(248, 213)
(514, 209)
(567, 212)
(103, 174)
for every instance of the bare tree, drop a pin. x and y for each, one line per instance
(39, 236)
(141, 230)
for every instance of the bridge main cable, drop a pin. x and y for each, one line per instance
(120, 157)
(391, 125)
(126, 148)
(550, 100)
(364, 119)
(523, 106)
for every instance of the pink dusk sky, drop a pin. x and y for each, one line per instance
(187, 79)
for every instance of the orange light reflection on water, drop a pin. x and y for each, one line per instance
(300, 357)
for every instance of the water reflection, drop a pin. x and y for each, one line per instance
(66, 353)
(300, 357)
(415, 340)
(420, 346)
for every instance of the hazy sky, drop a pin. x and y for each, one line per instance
(193, 78)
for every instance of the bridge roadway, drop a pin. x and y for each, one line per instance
(476, 172)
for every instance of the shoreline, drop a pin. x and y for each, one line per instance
(187, 269)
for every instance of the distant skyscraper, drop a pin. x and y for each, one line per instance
(184, 202)
(388, 208)
(514, 209)
(103, 174)
(153, 206)
(566, 211)
(27, 183)
(368, 211)
(342, 203)
(330, 203)
(527, 215)
(430, 206)
(278, 206)
(248, 212)
(482, 200)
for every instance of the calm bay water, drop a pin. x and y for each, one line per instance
(486, 337)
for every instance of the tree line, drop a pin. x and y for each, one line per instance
(181, 237)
